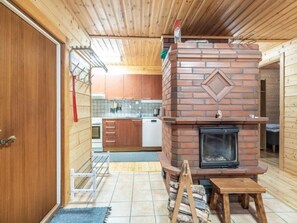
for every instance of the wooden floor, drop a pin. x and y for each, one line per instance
(270, 157)
(278, 183)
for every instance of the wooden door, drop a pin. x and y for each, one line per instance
(132, 86)
(151, 87)
(28, 111)
(114, 86)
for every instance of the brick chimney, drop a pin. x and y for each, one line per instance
(198, 80)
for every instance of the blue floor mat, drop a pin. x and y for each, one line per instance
(134, 157)
(81, 215)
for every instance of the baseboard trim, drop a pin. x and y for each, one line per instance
(50, 214)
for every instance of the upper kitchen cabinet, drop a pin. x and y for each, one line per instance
(151, 87)
(115, 86)
(132, 86)
(98, 84)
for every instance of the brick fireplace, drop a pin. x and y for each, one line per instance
(198, 80)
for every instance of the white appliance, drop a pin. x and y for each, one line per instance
(151, 132)
(97, 134)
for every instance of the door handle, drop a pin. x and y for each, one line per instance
(7, 141)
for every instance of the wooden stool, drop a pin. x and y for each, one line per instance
(243, 186)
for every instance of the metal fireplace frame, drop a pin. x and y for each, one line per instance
(218, 130)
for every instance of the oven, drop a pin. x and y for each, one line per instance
(97, 134)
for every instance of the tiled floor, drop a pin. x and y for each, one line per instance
(137, 197)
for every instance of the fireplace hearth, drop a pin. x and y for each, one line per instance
(218, 147)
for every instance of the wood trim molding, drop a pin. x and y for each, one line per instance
(49, 215)
(282, 111)
(65, 167)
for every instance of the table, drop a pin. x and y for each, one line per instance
(245, 187)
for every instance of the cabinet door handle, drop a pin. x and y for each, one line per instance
(110, 141)
(110, 127)
(7, 141)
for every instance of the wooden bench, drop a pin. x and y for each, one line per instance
(243, 186)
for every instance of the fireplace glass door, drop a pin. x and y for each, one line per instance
(218, 147)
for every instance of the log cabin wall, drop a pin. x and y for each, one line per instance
(287, 55)
(271, 76)
(58, 20)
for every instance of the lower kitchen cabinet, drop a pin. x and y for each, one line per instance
(122, 134)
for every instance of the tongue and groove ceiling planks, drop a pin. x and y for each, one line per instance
(132, 28)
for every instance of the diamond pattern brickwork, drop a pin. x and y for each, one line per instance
(217, 85)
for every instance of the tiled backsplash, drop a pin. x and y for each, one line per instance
(102, 108)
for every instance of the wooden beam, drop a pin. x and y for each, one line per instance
(226, 37)
(200, 37)
(123, 37)
(145, 70)
(271, 40)
(95, 36)
(268, 61)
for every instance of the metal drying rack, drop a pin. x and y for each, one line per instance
(243, 39)
(83, 73)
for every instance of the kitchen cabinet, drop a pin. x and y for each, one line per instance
(129, 132)
(151, 87)
(122, 134)
(115, 86)
(137, 87)
(109, 133)
(132, 86)
(98, 84)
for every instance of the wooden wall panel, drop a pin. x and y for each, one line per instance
(289, 100)
(65, 20)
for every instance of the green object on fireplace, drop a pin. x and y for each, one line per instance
(164, 54)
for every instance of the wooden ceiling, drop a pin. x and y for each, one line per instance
(110, 23)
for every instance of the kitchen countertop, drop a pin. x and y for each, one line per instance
(129, 117)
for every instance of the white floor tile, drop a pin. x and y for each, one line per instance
(161, 207)
(120, 209)
(162, 219)
(142, 195)
(160, 195)
(142, 208)
(139, 185)
(118, 220)
(143, 219)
